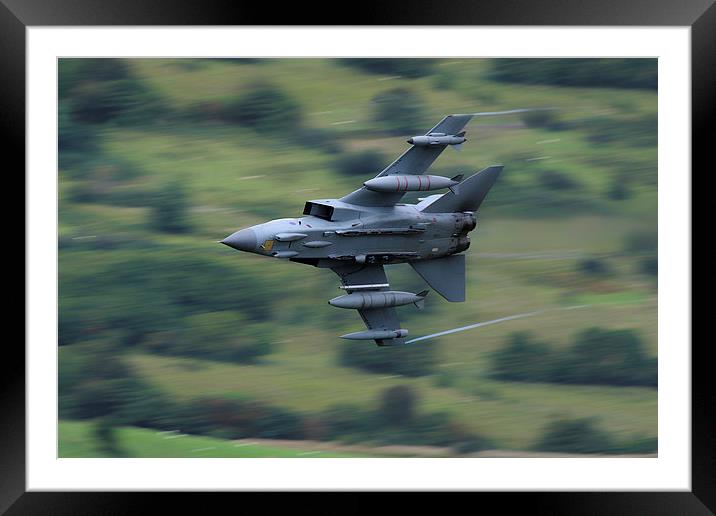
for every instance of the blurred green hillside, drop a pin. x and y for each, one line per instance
(162, 327)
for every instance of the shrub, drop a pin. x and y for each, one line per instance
(367, 163)
(635, 132)
(345, 420)
(236, 418)
(597, 267)
(221, 336)
(405, 360)
(151, 292)
(555, 181)
(397, 405)
(523, 360)
(618, 190)
(590, 72)
(73, 136)
(128, 100)
(598, 356)
(575, 436)
(472, 443)
(542, 118)
(264, 107)
(106, 435)
(314, 137)
(408, 67)
(649, 266)
(398, 111)
(609, 357)
(642, 242)
(170, 211)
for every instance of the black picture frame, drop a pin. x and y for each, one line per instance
(17, 15)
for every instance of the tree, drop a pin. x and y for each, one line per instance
(575, 436)
(397, 405)
(409, 361)
(263, 107)
(171, 207)
(610, 357)
(408, 67)
(398, 111)
(596, 267)
(523, 360)
(367, 163)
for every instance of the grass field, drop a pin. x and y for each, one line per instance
(76, 440)
(524, 257)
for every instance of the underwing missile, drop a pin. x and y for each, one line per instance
(376, 334)
(438, 139)
(365, 300)
(416, 183)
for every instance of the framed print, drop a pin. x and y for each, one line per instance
(554, 357)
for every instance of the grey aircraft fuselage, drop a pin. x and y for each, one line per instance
(380, 235)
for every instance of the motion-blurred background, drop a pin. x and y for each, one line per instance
(174, 345)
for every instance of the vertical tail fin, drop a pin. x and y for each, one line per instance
(446, 275)
(469, 194)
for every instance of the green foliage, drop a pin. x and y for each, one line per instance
(619, 190)
(105, 433)
(395, 423)
(365, 164)
(398, 111)
(345, 420)
(575, 436)
(641, 242)
(612, 73)
(96, 382)
(74, 136)
(543, 118)
(597, 356)
(136, 294)
(553, 180)
(649, 266)
(407, 67)
(523, 360)
(170, 210)
(314, 137)
(595, 267)
(397, 405)
(222, 335)
(640, 131)
(100, 90)
(611, 357)
(264, 107)
(235, 418)
(417, 360)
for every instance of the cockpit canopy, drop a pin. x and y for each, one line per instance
(330, 210)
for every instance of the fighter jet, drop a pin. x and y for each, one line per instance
(357, 235)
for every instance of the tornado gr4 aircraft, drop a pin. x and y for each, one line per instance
(357, 235)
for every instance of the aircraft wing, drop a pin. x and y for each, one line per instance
(374, 318)
(414, 161)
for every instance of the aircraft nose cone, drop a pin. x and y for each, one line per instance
(243, 240)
